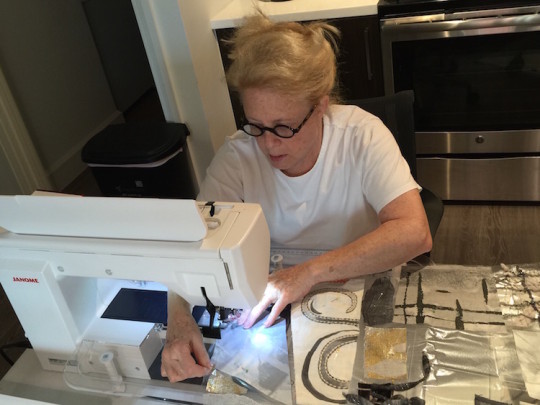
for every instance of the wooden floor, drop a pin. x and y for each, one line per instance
(488, 235)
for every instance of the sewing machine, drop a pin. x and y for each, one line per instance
(63, 259)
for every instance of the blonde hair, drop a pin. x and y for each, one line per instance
(288, 57)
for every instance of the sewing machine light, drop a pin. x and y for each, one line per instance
(259, 339)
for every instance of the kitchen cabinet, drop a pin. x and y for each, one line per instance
(359, 59)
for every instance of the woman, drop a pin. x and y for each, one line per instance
(327, 176)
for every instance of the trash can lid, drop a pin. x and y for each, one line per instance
(134, 143)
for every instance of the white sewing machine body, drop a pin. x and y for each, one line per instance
(60, 285)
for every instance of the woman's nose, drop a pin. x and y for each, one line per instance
(270, 139)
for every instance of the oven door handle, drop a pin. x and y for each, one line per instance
(459, 24)
(368, 54)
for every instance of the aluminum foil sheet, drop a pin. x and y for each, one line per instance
(519, 293)
(221, 383)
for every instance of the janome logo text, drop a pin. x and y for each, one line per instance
(25, 280)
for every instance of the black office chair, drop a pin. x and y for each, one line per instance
(396, 112)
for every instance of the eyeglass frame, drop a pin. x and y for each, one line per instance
(273, 130)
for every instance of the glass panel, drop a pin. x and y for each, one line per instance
(472, 83)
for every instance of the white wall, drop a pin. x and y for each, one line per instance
(186, 64)
(8, 182)
(53, 69)
(118, 41)
(21, 171)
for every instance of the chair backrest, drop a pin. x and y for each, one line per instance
(396, 112)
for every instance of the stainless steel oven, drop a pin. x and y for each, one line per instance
(475, 71)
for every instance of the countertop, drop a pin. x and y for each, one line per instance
(292, 10)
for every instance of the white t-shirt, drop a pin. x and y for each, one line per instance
(359, 170)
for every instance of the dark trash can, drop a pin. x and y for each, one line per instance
(141, 159)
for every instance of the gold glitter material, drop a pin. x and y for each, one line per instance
(385, 353)
(221, 383)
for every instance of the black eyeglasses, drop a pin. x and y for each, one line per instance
(283, 131)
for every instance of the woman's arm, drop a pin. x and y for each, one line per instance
(184, 355)
(403, 234)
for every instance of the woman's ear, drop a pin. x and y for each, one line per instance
(323, 103)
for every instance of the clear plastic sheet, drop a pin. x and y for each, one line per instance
(488, 360)
(451, 297)
(385, 354)
(519, 293)
(460, 366)
(377, 314)
(324, 328)
(527, 343)
(323, 333)
(95, 369)
(465, 364)
(257, 356)
(400, 377)
(402, 363)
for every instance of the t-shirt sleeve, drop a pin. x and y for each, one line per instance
(386, 174)
(223, 181)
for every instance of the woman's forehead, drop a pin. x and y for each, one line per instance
(269, 102)
(266, 95)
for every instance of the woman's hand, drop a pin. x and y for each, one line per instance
(284, 287)
(184, 355)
